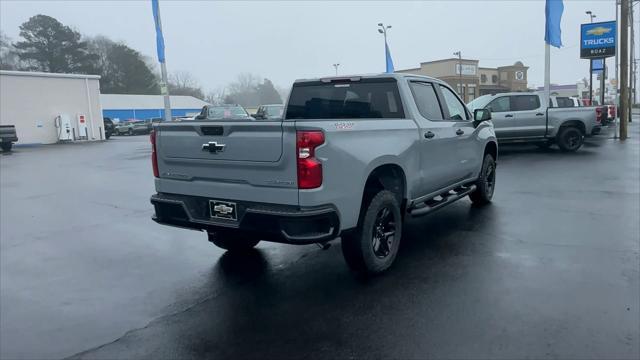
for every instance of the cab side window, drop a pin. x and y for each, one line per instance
(427, 101)
(457, 110)
(525, 102)
(501, 104)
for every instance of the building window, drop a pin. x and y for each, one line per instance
(483, 78)
(494, 78)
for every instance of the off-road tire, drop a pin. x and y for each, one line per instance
(230, 241)
(486, 183)
(362, 252)
(570, 139)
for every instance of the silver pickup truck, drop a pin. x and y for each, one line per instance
(524, 117)
(351, 158)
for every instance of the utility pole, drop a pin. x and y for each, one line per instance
(624, 69)
(632, 64)
(461, 88)
(617, 94)
(336, 65)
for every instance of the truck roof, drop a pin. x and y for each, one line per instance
(356, 77)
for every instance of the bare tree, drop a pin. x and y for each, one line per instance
(9, 59)
(216, 96)
(183, 83)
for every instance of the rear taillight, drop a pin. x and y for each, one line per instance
(598, 114)
(612, 111)
(309, 168)
(154, 155)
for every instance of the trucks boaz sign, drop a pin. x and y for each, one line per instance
(598, 40)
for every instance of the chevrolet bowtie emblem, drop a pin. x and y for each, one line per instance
(223, 209)
(213, 147)
(599, 31)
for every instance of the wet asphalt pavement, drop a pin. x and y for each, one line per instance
(549, 270)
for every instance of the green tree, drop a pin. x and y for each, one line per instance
(248, 91)
(122, 69)
(51, 46)
(268, 94)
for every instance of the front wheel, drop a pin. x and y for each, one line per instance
(485, 185)
(570, 139)
(230, 241)
(6, 146)
(373, 247)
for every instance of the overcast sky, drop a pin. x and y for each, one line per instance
(283, 41)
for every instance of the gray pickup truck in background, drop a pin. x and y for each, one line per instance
(524, 117)
(8, 136)
(351, 158)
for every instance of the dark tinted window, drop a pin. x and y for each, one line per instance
(456, 107)
(426, 100)
(500, 104)
(366, 99)
(564, 102)
(525, 102)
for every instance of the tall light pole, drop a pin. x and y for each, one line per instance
(336, 67)
(591, 15)
(382, 29)
(460, 88)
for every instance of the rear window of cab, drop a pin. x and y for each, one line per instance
(362, 99)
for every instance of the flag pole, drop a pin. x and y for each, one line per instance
(164, 85)
(547, 73)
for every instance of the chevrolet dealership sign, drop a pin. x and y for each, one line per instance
(598, 40)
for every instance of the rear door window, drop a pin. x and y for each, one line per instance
(524, 102)
(501, 104)
(427, 101)
(364, 99)
(457, 110)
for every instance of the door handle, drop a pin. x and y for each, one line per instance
(459, 132)
(508, 115)
(539, 114)
(429, 135)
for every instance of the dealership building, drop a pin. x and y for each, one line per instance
(46, 108)
(471, 80)
(124, 107)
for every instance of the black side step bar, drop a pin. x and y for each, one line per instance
(441, 200)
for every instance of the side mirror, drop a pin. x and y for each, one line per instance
(481, 115)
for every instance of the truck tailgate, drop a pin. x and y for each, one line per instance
(237, 160)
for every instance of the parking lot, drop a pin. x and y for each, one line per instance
(549, 270)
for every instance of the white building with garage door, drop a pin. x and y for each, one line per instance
(47, 107)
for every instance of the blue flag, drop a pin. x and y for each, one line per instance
(553, 13)
(159, 38)
(389, 60)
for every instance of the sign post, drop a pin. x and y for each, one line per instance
(597, 42)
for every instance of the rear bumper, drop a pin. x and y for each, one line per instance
(277, 223)
(596, 130)
(12, 139)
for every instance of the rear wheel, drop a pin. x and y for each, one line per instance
(232, 241)
(6, 146)
(373, 247)
(570, 138)
(485, 185)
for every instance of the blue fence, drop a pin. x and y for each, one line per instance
(143, 114)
